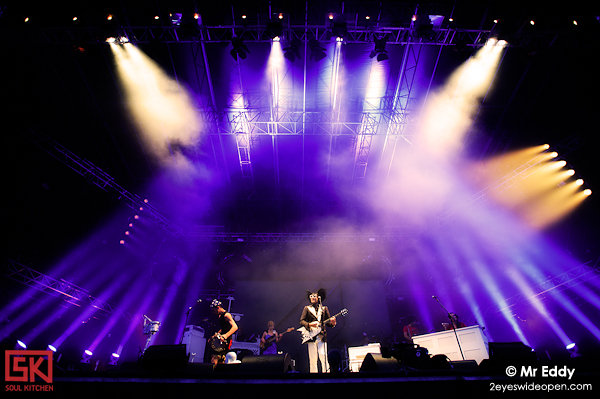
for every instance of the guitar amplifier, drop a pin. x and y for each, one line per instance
(195, 343)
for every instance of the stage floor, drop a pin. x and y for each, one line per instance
(462, 381)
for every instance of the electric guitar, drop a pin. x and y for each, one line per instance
(309, 334)
(270, 340)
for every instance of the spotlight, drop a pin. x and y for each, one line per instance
(570, 346)
(274, 29)
(87, 356)
(175, 18)
(317, 53)
(587, 192)
(114, 359)
(280, 16)
(579, 182)
(532, 22)
(292, 51)
(339, 30)
(330, 16)
(52, 348)
(122, 242)
(424, 28)
(117, 40)
(20, 345)
(379, 49)
(26, 19)
(239, 50)
(109, 17)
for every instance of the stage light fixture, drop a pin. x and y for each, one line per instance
(379, 49)
(86, 356)
(317, 53)
(114, 359)
(339, 30)
(424, 28)
(239, 50)
(570, 346)
(587, 192)
(292, 51)
(175, 18)
(26, 19)
(21, 345)
(109, 17)
(52, 348)
(274, 29)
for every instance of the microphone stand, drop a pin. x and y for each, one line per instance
(452, 324)
(187, 316)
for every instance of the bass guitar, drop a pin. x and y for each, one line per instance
(269, 341)
(309, 334)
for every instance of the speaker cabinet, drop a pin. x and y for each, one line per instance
(376, 362)
(167, 357)
(266, 364)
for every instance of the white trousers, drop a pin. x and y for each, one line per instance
(317, 350)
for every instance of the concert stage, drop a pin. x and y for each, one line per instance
(457, 380)
(420, 162)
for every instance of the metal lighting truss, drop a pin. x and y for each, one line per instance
(216, 236)
(99, 178)
(561, 282)
(258, 34)
(72, 293)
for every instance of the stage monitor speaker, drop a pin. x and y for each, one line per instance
(510, 352)
(376, 362)
(464, 365)
(266, 364)
(165, 357)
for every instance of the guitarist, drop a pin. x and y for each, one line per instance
(269, 339)
(312, 316)
(227, 327)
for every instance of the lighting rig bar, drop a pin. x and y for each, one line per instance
(291, 123)
(259, 34)
(561, 282)
(211, 236)
(72, 294)
(99, 178)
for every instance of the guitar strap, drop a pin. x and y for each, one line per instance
(315, 313)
